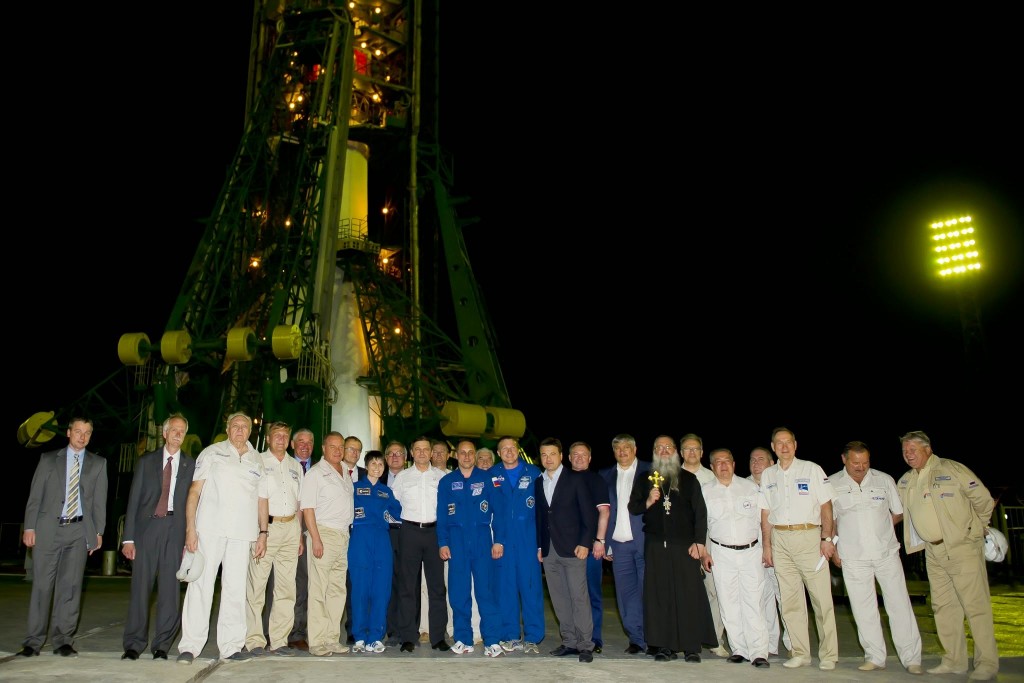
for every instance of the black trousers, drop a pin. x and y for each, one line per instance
(417, 547)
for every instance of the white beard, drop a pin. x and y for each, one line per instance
(668, 467)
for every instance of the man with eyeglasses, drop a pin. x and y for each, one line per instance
(797, 532)
(284, 545)
(302, 449)
(692, 448)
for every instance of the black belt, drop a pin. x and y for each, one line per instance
(394, 526)
(170, 513)
(736, 547)
(64, 521)
(422, 525)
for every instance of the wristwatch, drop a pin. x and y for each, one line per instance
(831, 539)
(600, 540)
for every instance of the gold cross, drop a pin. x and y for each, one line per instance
(656, 478)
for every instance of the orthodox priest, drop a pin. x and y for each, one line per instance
(677, 617)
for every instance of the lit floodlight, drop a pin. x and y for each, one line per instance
(955, 247)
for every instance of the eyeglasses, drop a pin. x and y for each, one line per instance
(352, 449)
(691, 450)
(664, 447)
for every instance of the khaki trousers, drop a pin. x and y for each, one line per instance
(795, 554)
(958, 583)
(326, 602)
(283, 557)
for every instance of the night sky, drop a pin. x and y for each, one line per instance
(671, 239)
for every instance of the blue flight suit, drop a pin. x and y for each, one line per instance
(464, 525)
(518, 572)
(370, 559)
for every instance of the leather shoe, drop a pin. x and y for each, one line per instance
(943, 669)
(66, 650)
(761, 663)
(598, 647)
(693, 657)
(664, 655)
(441, 646)
(300, 645)
(634, 649)
(586, 656)
(407, 646)
(159, 654)
(130, 654)
(28, 651)
(869, 666)
(737, 659)
(562, 651)
(915, 669)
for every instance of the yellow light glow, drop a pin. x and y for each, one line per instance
(956, 246)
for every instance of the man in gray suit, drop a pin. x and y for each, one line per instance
(64, 520)
(154, 539)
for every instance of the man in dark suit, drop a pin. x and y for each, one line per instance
(154, 539)
(625, 548)
(566, 529)
(64, 520)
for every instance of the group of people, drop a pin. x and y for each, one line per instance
(700, 558)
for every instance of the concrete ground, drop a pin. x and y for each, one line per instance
(105, 604)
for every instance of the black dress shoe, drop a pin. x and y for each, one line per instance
(663, 655)
(159, 654)
(651, 651)
(28, 651)
(598, 648)
(692, 657)
(586, 656)
(633, 649)
(407, 646)
(441, 646)
(761, 663)
(562, 651)
(66, 650)
(130, 654)
(737, 659)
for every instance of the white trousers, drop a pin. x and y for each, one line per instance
(739, 578)
(859, 576)
(232, 557)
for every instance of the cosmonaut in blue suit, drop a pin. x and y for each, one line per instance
(518, 571)
(370, 559)
(464, 538)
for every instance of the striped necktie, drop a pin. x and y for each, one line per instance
(73, 488)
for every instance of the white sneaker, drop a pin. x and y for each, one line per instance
(530, 648)
(461, 648)
(720, 651)
(795, 662)
(510, 645)
(376, 646)
(494, 651)
(360, 646)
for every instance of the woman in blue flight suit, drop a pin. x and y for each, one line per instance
(370, 559)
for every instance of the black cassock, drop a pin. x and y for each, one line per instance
(676, 611)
